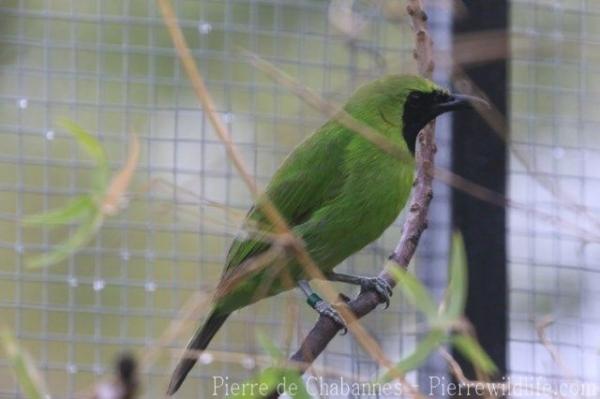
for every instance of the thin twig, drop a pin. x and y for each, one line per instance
(541, 327)
(115, 193)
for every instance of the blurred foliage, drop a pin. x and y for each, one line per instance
(277, 378)
(86, 209)
(446, 321)
(27, 375)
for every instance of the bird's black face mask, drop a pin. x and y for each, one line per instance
(420, 108)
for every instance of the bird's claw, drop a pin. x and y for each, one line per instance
(380, 286)
(343, 297)
(325, 309)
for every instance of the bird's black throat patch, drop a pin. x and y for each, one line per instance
(418, 111)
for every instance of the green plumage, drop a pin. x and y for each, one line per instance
(337, 191)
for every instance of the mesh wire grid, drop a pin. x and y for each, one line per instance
(110, 66)
(553, 267)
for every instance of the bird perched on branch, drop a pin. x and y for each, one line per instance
(338, 192)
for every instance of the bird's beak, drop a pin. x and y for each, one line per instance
(438, 103)
(460, 101)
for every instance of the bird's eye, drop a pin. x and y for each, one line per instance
(415, 96)
(441, 97)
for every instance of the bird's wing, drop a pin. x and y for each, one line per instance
(312, 175)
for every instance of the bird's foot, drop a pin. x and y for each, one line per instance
(380, 286)
(323, 308)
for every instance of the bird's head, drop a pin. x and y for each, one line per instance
(408, 102)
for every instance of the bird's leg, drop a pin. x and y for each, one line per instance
(377, 284)
(321, 306)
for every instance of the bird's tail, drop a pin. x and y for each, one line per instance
(199, 342)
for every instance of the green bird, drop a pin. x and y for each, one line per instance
(338, 192)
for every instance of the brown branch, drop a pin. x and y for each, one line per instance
(325, 329)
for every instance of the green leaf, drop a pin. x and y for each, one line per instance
(457, 288)
(94, 149)
(91, 145)
(472, 351)
(295, 386)
(285, 379)
(79, 239)
(431, 342)
(27, 375)
(415, 292)
(74, 210)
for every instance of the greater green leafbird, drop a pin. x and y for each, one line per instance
(338, 192)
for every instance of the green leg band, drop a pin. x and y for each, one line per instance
(313, 299)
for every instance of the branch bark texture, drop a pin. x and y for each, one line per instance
(325, 328)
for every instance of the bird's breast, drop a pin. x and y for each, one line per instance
(380, 190)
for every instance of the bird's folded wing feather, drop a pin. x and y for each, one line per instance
(309, 178)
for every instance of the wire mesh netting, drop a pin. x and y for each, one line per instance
(554, 171)
(110, 66)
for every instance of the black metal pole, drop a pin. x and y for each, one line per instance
(479, 155)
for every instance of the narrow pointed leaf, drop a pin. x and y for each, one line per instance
(413, 361)
(90, 144)
(76, 209)
(94, 149)
(27, 375)
(471, 350)
(415, 292)
(457, 288)
(84, 233)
